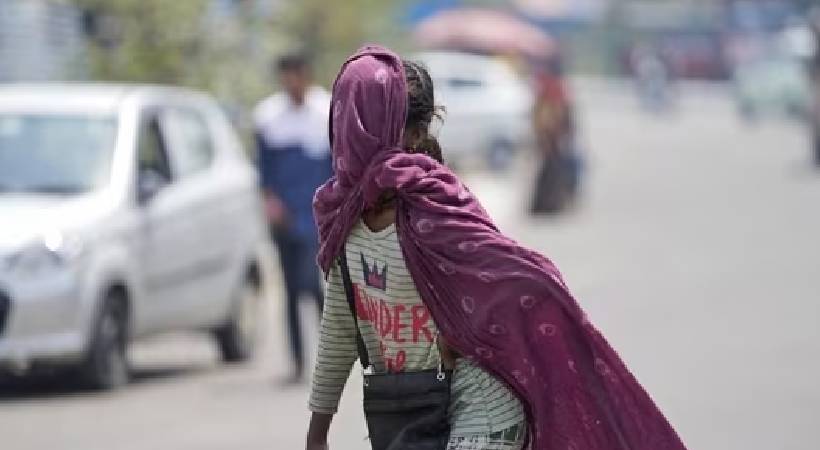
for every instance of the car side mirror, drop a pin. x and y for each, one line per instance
(149, 183)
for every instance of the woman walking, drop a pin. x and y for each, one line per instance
(468, 340)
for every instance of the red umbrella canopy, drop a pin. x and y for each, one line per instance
(485, 31)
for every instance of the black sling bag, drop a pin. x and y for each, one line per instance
(407, 410)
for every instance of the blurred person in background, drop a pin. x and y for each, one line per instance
(558, 178)
(294, 159)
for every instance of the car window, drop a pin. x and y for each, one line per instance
(191, 144)
(55, 153)
(151, 151)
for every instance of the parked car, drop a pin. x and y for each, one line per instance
(488, 107)
(771, 72)
(125, 211)
(773, 84)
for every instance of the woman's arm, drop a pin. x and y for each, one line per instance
(337, 353)
(317, 431)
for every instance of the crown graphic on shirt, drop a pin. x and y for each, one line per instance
(374, 277)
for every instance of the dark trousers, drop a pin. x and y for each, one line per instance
(557, 181)
(297, 255)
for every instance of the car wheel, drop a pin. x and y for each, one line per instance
(106, 365)
(237, 338)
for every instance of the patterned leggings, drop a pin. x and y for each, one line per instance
(510, 439)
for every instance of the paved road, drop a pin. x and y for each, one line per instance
(695, 250)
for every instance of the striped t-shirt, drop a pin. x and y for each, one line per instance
(400, 336)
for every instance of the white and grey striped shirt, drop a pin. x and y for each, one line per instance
(400, 336)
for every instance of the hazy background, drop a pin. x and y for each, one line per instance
(691, 236)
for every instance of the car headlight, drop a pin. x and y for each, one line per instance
(52, 251)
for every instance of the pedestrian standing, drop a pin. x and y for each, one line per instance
(468, 340)
(294, 159)
(558, 178)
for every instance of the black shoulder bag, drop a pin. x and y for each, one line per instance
(405, 410)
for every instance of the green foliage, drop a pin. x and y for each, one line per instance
(182, 42)
(145, 40)
(332, 30)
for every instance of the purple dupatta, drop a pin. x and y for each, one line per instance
(496, 302)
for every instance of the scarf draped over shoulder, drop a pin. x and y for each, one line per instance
(498, 303)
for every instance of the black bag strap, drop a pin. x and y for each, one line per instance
(351, 302)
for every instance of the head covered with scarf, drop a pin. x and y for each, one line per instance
(496, 302)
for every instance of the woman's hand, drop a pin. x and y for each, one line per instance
(317, 431)
(275, 211)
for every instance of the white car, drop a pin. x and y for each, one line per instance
(125, 211)
(488, 107)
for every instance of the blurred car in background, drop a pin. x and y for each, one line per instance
(488, 107)
(773, 84)
(770, 72)
(125, 211)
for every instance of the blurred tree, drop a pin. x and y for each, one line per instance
(193, 43)
(143, 40)
(332, 30)
(227, 47)
(185, 42)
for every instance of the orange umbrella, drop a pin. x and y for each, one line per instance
(485, 31)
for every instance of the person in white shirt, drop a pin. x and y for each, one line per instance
(291, 130)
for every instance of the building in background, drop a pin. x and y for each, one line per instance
(40, 40)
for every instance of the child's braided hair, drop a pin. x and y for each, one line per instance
(421, 109)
